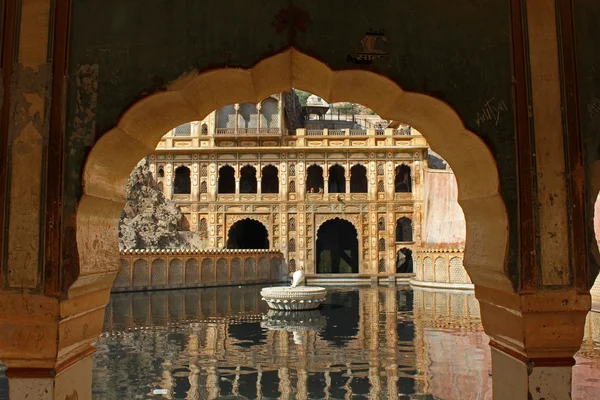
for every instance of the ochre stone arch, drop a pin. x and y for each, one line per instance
(343, 217)
(194, 95)
(233, 224)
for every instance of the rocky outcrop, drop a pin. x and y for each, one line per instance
(149, 220)
(293, 111)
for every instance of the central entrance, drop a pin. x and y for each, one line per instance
(248, 234)
(337, 248)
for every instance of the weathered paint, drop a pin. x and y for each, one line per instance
(29, 99)
(553, 258)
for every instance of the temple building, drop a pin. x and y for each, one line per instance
(507, 93)
(342, 193)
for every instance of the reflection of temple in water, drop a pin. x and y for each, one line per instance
(210, 343)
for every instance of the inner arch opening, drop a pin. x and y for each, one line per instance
(248, 234)
(337, 247)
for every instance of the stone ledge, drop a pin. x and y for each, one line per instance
(442, 285)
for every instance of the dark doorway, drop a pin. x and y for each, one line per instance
(314, 180)
(182, 181)
(337, 247)
(403, 182)
(358, 179)
(226, 180)
(248, 234)
(270, 180)
(404, 230)
(404, 261)
(248, 179)
(337, 179)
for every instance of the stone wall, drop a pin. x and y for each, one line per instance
(170, 269)
(441, 266)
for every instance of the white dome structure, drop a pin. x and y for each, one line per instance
(314, 100)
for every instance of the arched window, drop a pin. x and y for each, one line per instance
(382, 265)
(226, 117)
(182, 181)
(270, 179)
(248, 179)
(203, 187)
(382, 244)
(203, 226)
(403, 182)
(292, 169)
(314, 180)
(337, 179)
(292, 187)
(183, 130)
(380, 169)
(247, 116)
(380, 187)
(269, 114)
(204, 170)
(292, 245)
(204, 129)
(358, 179)
(292, 266)
(404, 230)
(226, 180)
(292, 225)
(381, 224)
(161, 172)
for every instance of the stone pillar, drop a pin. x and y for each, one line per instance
(258, 180)
(212, 181)
(535, 314)
(301, 181)
(195, 178)
(168, 182)
(325, 179)
(283, 181)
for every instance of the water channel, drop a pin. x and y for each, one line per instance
(366, 343)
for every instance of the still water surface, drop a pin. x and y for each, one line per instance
(377, 343)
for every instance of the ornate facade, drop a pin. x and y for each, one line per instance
(240, 163)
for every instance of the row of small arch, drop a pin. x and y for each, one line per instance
(441, 270)
(270, 179)
(158, 273)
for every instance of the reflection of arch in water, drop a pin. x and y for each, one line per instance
(337, 247)
(342, 315)
(248, 234)
(404, 261)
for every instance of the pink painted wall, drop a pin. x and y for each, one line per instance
(444, 222)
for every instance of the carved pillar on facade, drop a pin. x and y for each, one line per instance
(301, 181)
(212, 225)
(259, 180)
(373, 233)
(372, 177)
(258, 107)
(212, 180)
(168, 182)
(283, 180)
(389, 180)
(326, 179)
(390, 239)
(237, 173)
(195, 182)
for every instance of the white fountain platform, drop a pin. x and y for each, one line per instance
(294, 298)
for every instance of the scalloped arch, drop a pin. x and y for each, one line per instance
(340, 218)
(194, 95)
